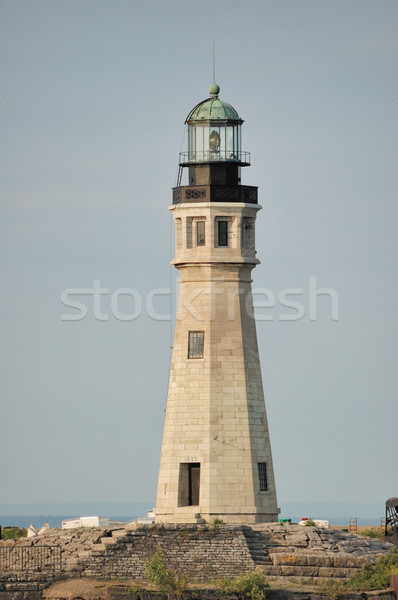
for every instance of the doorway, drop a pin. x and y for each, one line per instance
(193, 483)
(189, 484)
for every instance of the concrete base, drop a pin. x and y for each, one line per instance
(187, 514)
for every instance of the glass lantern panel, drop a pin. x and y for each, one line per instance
(191, 142)
(202, 148)
(212, 141)
(229, 134)
(215, 142)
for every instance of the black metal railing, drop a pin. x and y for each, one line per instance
(215, 193)
(191, 157)
(30, 558)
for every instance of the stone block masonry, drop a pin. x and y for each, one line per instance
(216, 422)
(204, 553)
(285, 553)
(200, 553)
(24, 585)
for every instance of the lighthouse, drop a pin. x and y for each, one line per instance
(216, 460)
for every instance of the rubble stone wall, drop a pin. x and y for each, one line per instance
(200, 553)
(24, 586)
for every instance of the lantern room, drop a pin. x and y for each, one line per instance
(214, 133)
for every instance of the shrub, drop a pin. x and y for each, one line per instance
(310, 523)
(333, 589)
(248, 585)
(163, 578)
(376, 576)
(11, 533)
(136, 590)
(372, 533)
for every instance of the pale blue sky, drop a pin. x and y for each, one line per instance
(94, 95)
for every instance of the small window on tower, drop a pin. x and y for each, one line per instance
(222, 233)
(196, 344)
(262, 475)
(200, 233)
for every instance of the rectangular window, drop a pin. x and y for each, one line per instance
(262, 475)
(222, 233)
(200, 233)
(189, 232)
(196, 344)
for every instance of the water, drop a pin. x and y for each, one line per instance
(53, 520)
(56, 520)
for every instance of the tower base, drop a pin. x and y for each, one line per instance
(231, 516)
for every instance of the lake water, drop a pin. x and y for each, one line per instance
(53, 520)
(56, 520)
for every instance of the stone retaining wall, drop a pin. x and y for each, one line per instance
(201, 553)
(24, 586)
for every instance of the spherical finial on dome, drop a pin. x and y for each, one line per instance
(214, 90)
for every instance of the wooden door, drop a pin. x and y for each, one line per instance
(194, 483)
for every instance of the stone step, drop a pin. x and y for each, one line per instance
(98, 548)
(119, 533)
(316, 560)
(261, 561)
(108, 540)
(300, 571)
(256, 543)
(281, 581)
(189, 520)
(261, 558)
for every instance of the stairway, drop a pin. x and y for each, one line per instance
(257, 544)
(275, 555)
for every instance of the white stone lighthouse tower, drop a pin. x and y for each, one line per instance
(216, 455)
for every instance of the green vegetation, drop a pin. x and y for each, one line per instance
(333, 589)
(372, 533)
(216, 526)
(137, 590)
(249, 585)
(167, 581)
(310, 523)
(375, 576)
(11, 533)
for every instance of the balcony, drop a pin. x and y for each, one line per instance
(207, 156)
(215, 193)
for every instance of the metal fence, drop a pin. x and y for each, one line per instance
(30, 558)
(239, 156)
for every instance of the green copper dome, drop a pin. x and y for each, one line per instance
(213, 109)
